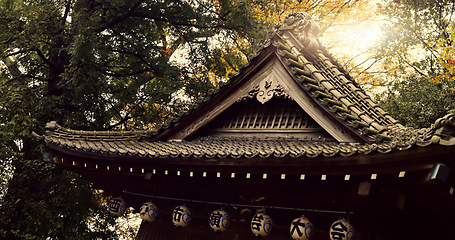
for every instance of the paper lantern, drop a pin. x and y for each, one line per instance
(117, 206)
(219, 220)
(261, 225)
(341, 230)
(301, 228)
(148, 212)
(181, 216)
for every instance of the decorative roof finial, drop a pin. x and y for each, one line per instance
(303, 27)
(445, 130)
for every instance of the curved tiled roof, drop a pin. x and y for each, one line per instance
(132, 144)
(325, 80)
(318, 75)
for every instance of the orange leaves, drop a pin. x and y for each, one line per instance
(447, 60)
(445, 50)
(275, 11)
(167, 45)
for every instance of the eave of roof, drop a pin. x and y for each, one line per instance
(409, 150)
(132, 145)
(316, 72)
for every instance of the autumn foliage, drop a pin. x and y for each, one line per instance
(124, 65)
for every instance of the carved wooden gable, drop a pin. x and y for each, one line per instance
(266, 110)
(278, 117)
(266, 104)
(292, 88)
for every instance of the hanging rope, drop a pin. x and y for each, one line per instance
(238, 205)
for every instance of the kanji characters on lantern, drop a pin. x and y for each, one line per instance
(341, 230)
(148, 212)
(301, 228)
(117, 206)
(219, 220)
(181, 216)
(261, 225)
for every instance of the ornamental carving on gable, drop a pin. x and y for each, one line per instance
(266, 90)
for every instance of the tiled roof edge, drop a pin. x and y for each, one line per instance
(54, 129)
(297, 43)
(444, 130)
(332, 59)
(223, 148)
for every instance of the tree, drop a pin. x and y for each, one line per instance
(416, 35)
(96, 65)
(417, 102)
(418, 55)
(105, 65)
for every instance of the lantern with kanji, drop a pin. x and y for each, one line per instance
(148, 212)
(181, 216)
(301, 228)
(219, 220)
(341, 230)
(117, 206)
(261, 225)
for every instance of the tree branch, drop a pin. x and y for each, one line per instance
(127, 115)
(364, 61)
(371, 65)
(414, 67)
(335, 15)
(120, 18)
(240, 49)
(313, 5)
(26, 76)
(41, 55)
(182, 24)
(67, 11)
(352, 59)
(425, 44)
(15, 53)
(129, 74)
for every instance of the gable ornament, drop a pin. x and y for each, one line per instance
(267, 87)
(266, 90)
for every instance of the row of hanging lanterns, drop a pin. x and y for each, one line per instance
(261, 223)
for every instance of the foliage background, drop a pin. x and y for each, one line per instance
(418, 56)
(110, 65)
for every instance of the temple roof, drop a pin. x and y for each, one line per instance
(317, 75)
(135, 144)
(290, 129)
(292, 65)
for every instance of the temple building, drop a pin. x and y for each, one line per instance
(290, 134)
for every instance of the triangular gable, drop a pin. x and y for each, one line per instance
(294, 63)
(279, 117)
(269, 81)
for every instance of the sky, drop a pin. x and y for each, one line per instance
(355, 39)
